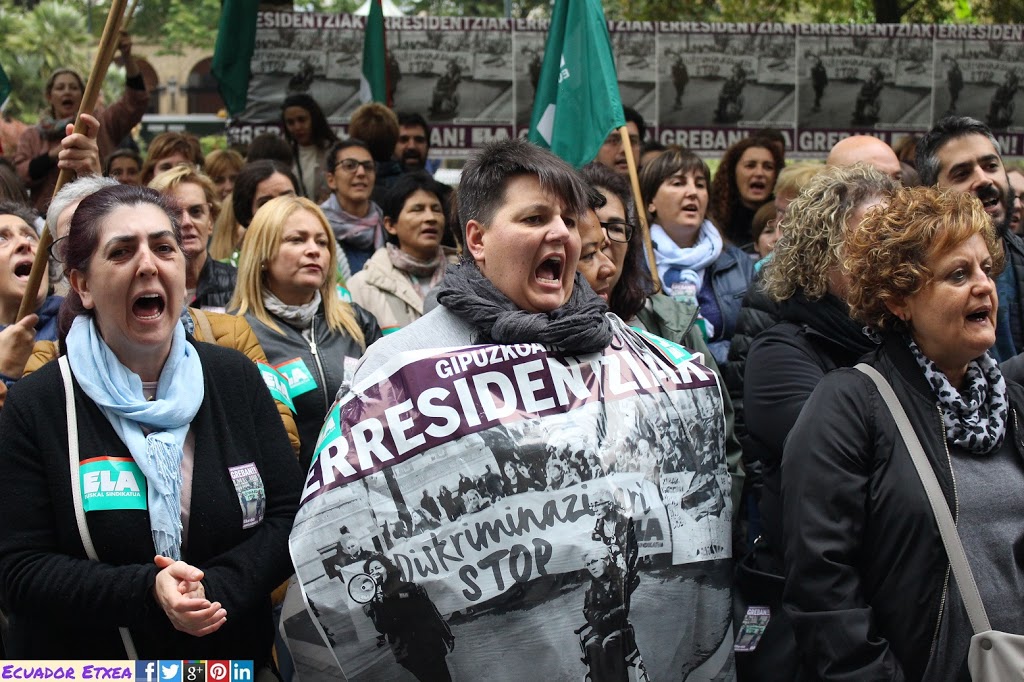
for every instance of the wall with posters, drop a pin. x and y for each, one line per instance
(702, 85)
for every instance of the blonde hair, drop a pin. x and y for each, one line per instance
(886, 255)
(183, 174)
(814, 229)
(224, 241)
(262, 244)
(795, 176)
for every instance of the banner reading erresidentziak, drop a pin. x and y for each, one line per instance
(505, 512)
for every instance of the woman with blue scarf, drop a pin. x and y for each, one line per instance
(694, 264)
(147, 516)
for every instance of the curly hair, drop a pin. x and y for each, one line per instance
(887, 255)
(814, 229)
(725, 193)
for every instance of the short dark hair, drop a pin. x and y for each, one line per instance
(407, 184)
(19, 210)
(251, 175)
(270, 146)
(926, 159)
(322, 133)
(635, 283)
(673, 160)
(84, 235)
(404, 186)
(485, 177)
(633, 115)
(342, 145)
(411, 119)
(121, 153)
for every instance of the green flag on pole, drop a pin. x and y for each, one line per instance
(373, 79)
(577, 102)
(236, 39)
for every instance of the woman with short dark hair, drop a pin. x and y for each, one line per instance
(167, 530)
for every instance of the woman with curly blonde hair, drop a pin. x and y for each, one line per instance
(867, 574)
(814, 336)
(743, 183)
(287, 293)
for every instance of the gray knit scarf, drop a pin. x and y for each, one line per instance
(579, 326)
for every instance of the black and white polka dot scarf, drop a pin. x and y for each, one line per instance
(975, 418)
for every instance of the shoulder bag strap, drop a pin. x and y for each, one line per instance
(947, 527)
(76, 484)
(204, 325)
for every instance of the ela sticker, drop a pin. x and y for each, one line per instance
(112, 483)
(298, 376)
(277, 384)
(252, 497)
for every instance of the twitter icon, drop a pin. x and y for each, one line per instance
(170, 671)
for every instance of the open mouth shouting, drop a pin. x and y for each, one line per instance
(22, 269)
(549, 272)
(981, 315)
(148, 307)
(990, 200)
(758, 188)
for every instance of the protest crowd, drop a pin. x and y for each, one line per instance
(313, 341)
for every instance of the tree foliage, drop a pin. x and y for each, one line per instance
(33, 43)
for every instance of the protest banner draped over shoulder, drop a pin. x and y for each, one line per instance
(500, 511)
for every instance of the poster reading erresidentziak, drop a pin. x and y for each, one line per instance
(506, 512)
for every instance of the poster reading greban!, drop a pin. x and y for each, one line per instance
(503, 512)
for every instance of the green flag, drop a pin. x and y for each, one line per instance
(236, 39)
(577, 102)
(373, 79)
(5, 88)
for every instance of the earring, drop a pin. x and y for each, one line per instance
(263, 267)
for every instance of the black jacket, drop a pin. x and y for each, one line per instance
(216, 284)
(323, 361)
(785, 364)
(866, 571)
(758, 312)
(64, 606)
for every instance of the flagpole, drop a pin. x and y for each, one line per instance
(641, 212)
(104, 55)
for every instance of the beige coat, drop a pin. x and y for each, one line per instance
(386, 292)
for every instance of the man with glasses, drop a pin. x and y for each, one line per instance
(357, 221)
(612, 153)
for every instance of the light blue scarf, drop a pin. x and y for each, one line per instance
(679, 267)
(118, 393)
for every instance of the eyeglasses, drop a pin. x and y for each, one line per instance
(618, 231)
(56, 249)
(350, 165)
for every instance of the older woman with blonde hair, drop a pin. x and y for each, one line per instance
(208, 284)
(286, 291)
(867, 575)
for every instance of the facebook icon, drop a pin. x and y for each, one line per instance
(145, 671)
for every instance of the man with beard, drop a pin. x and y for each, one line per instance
(413, 141)
(960, 153)
(411, 153)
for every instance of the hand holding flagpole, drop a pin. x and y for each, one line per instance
(104, 55)
(634, 181)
